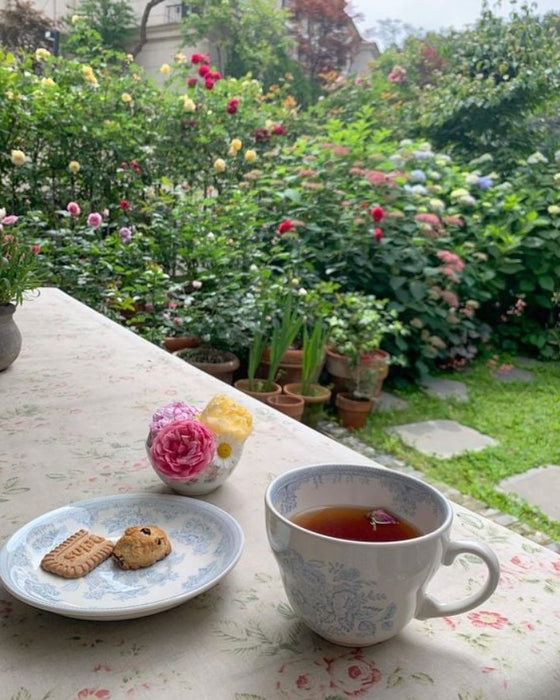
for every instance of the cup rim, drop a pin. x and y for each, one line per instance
(446, 524)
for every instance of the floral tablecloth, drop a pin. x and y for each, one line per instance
(74, 410)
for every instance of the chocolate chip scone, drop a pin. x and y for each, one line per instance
(141, 546)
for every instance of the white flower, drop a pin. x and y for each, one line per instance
(228, 451)
(537, 157)
(472, 179)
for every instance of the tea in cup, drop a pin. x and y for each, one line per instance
(357, 546)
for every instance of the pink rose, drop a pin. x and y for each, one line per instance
(73, 209)
(9, 220)
(182, 449)
(170, 413)
(94, 220)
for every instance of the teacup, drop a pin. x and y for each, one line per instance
(357, 593)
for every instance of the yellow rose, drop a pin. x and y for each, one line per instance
(219, 165)
(189, 104)
(74, 167)
(42, 54)
(47, 82)
(165, 68)
(251, 156)
(76, 18)
(554, 209)
(126, 97)
(224, 415)
(18, 157)
(236, 145)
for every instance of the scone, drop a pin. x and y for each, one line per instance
(141, 546)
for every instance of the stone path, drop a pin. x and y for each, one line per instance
(444, 438)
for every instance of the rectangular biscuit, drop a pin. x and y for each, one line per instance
(77, 555)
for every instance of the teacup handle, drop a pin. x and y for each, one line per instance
(433, 608)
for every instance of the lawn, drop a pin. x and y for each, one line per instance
(524, 418)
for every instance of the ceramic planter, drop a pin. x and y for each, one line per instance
(219, 363)
(10, 336)
(315, 400)
(367, 376)
(353, 413)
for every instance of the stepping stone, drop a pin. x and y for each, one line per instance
(514, 374)
(442, 438)
(390, 402)
(539, 486)
(445, 388)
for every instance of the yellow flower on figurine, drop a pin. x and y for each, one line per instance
(224, 416)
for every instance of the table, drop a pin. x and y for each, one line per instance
(74, 410)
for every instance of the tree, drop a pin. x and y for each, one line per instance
(22, 27)
(114, 20)
(494, 78)
(325, 35)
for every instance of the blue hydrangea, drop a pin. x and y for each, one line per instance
(417, 176)
(484, 182)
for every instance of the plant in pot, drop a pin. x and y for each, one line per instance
(19, 274)
(355, 358)
(313, 394)
(285, 328)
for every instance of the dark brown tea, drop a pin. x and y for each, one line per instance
(357, 523)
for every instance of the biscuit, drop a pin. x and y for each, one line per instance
(141, 546)
(77, 555)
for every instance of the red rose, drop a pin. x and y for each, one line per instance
(216, 75)
(378, 233)
(279, 129)
(197, 58)
(377, 213)
(192, 82)
(286, 226)
(124, 204)
(208, 83)
(203, 71)
(232, 105)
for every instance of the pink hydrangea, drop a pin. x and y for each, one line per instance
(182, 449)
(170, 413)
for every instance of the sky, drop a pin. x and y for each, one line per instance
(433, 14)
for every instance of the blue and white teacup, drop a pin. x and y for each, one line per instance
(360, 593)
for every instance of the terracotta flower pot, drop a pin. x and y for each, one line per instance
(289, 369)
(244, 385)
(315, 401)
(172, 344)
(219, 363)
(353, 413)
(289, 405)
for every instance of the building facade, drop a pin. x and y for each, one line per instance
(164, 36)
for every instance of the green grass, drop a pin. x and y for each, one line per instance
(523, 417)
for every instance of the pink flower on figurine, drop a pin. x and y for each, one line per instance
(182, 449)
(170, 413)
